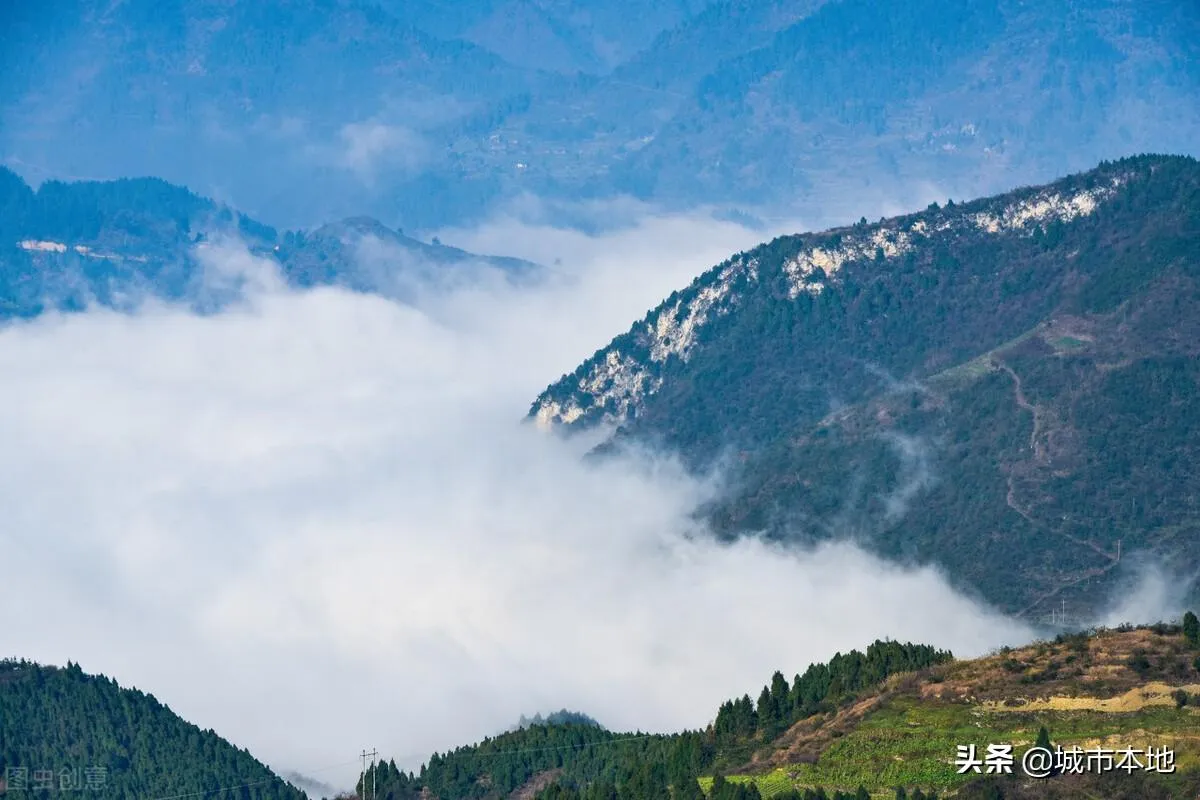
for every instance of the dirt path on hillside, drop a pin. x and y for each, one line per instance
(1039, 452)
(1040, 457)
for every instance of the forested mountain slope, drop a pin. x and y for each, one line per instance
(84, 734)
(1007, 387)
(640, 766)
(111, 242)
(871, 724)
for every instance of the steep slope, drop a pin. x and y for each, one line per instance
(79, 733)
(1006, 387)
(71, 244)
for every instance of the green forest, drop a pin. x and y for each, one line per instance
(581, 761)
(66, 732)
(886, 406)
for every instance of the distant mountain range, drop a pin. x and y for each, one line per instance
(68, 245)
(1009, 388)
(427, 113)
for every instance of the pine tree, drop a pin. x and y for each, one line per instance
(1043, 738)
(1191, 628)
(766, 712)
(1043, 741)
(779, 696)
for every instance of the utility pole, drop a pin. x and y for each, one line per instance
(374, 774)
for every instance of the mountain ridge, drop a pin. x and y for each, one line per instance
(67, 245)
(667, 334)
(1003, 381)
(807, 105)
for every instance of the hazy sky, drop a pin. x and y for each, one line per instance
(315, 523)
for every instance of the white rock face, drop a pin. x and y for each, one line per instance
(36, 246)
(550, 413)
(1043, 208)
(800, 269)
(44, 247)
(616, 385)
(896, 242)
(673, 332)
(619, 383)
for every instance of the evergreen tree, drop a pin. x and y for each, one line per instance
(768, 720)
(1043, 738)
(1043, 741)
(1191, 628)
(779, 695)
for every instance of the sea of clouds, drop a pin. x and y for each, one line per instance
(315, 521)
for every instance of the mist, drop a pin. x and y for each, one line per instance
(315, 522)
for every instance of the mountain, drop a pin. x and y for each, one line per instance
(566, 36)
(363, 254)
(62, 730)
(867, 724)
(296, 108)
(1006, 387)
(880, 97)
(71, 244)
(432, 113)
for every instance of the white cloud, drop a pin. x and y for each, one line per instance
(1150, 591)
(367, 147)
(373, 151)
(313, 522)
